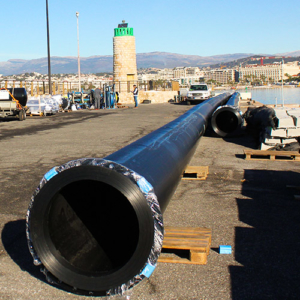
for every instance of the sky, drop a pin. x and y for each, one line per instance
(193, 27)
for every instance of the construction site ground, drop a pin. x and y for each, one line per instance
(248, 204)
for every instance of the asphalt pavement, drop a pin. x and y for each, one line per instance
(247, 204)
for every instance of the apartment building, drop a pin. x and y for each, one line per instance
(271, 72)
(221, 75)
(165, 74)
(179, 72)
(187, 72)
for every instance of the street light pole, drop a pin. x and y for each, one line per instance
(48, 45)
(79, 83)
(282, 62)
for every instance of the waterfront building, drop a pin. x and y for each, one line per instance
(194, 72)
(186, 72)
(270, 72)
(223, 76)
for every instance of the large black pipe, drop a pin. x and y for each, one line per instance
(227, 119)
(96, 225)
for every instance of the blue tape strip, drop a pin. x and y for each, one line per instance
(148, 270)
(144, 185)
(225, 249)
(50, 174)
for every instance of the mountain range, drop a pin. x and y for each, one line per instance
(97, 64)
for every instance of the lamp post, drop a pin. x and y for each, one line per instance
(48, 45)
(79, 83)
(282, 62)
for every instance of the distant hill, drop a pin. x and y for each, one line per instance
(96, 64)
(248, 61)
(294, 53)
(171, 60)
(62, 65)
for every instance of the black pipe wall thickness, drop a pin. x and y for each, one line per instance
(227, 118)
(95, 225)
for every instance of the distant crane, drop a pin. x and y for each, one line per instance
(267, 57)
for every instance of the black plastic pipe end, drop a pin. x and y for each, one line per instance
(91, 227)
(226, 120)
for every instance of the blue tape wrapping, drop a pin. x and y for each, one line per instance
(148, 270)
(225, 249)
(50, 174)
(144, 185)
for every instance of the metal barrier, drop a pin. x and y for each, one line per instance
(41, 87)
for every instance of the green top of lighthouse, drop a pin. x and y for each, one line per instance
(123, 30)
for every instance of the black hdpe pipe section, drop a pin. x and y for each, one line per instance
(227, 119)
(95, 225)
(20, 94)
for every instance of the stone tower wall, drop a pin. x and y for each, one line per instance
(124, 55)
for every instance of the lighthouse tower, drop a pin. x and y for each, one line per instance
(125, 70)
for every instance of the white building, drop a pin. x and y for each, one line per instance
(147, 77)
(179, 72)
(221, 75)
(165, 74)
(271, 72)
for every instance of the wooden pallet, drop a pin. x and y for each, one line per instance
(272, 155)
(191, 242)
(195, 173)
(31, 115)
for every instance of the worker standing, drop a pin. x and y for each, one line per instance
(135, 95)
(92, 98)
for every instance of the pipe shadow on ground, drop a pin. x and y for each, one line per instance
(15, 243)
(268, 249)
(242, 140)
(239, 137)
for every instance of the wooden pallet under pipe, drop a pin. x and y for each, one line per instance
(192, 242)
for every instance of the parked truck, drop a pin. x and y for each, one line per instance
(197, 93)
(13, 103)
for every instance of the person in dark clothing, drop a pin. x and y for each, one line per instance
(135, 95)
(97, 95)
(92, 98)
(102, 101)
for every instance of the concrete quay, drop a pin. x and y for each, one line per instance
(247, 204)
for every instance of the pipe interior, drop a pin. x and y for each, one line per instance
(93, 227)
(227, 121)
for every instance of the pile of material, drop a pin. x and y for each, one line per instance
(277, 128)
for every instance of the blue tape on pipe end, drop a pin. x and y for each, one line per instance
(50, 174)
(144, 185)
(148, 270)
(224, 249)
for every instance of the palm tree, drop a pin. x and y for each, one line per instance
(263, 78)
(247, 78)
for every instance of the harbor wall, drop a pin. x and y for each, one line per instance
(154, 96)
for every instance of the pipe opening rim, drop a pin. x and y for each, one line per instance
(149, 244)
